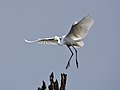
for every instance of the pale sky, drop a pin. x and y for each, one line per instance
(23, 66)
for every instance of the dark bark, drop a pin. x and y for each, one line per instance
(43, 86)
(54, 84)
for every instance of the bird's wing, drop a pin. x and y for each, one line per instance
(51, 41)
(79, 30)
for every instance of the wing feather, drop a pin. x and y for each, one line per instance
(51, 41)
(79, 30)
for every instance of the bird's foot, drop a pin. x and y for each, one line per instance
(77, 63)
(68, 65)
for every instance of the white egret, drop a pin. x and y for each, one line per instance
(74, 38)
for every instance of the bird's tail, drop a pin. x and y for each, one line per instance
(80, 44)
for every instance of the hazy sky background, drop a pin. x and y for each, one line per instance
(23, 66)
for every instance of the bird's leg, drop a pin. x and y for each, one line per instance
(76, 56)
(68, 64)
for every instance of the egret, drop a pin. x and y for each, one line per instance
(73, 39)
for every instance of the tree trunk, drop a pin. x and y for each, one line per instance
(54, 84)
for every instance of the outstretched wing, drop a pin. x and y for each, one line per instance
(51, 41)
(79, 30)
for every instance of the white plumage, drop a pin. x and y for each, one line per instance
(74, 38)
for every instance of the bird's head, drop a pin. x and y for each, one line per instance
(56, 38)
